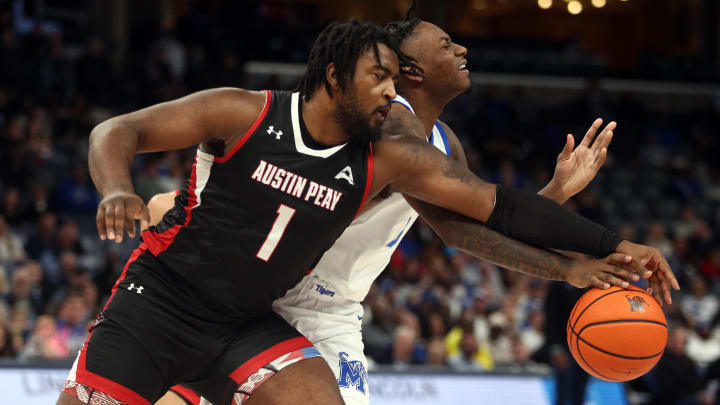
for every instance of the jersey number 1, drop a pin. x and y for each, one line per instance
(285, 214)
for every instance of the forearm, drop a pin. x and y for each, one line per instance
(476, 239)
(112, 149)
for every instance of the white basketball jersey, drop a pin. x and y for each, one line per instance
(364, 249)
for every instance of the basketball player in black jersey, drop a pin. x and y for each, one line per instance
(286, 174)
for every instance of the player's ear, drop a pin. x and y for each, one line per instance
(331, 76)
(412, 74)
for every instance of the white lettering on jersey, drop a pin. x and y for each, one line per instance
(294, 185)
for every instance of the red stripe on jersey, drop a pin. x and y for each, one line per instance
(104, 385)
(368, 182)
(135, 254)
(158, 242)
(261, 359)
(190, 396)
(253, 127)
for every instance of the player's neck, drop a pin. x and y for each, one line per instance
(427, 108)
(318, 115)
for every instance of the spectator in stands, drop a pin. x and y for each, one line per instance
(23, 293)
(532, 336)
(678, 381)
(378, 333)
(44, 342)
(72, 324)
(699, 306)
(407, 348)
(656, 237)
(710, 267)
(6, 347)
(11, 247)
(436, 353)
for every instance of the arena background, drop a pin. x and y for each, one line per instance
(540, 69)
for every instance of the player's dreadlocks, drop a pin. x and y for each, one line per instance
(342, 44)
(402, 30)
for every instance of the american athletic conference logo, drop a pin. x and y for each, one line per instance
(352, 372)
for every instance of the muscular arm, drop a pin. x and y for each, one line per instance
(211, 116)
(476, 239)
(214, 118)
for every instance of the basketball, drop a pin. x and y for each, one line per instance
(617, 334)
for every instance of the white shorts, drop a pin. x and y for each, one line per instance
(333, 324)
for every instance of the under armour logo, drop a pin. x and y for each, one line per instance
(138, 288)
(277, 134)
(345, 174)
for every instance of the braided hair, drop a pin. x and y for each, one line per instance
(402, 30)
(342, 44)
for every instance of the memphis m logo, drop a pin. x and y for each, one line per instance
(636, 303)
(352, 373)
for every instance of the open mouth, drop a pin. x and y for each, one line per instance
(463, 67)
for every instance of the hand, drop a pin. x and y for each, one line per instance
(602, 273)
(119, 210)
(575, 169)
(651, 260)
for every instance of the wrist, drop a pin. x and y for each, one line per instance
(623, 247)
(554, 192)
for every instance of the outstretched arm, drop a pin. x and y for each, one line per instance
(214, 117)
(476, 239)
(419, 170)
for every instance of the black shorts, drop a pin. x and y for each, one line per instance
(143, 344)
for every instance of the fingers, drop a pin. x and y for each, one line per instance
(637, 266)
(119, 221)
(144, 216)
(110, 221)
(597, 282)
(623, 273)
(129, 222)
(567, 150)
(668, 273)
(600, 159)
(604, 280)
(590, 134)
(603, 140)
(100, 222)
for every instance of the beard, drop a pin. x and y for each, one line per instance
(353, 121)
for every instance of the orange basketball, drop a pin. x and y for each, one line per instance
(617, 334)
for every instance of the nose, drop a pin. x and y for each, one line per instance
(389, 91)
(460, 50)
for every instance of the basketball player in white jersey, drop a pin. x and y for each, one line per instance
(326, 305)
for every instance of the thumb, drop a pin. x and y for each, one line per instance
(567, 150)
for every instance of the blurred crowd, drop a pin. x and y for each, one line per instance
(433, 305)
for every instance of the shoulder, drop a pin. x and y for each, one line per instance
(232, 97)
(401, 121)
(456, 149)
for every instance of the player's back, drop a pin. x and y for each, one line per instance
(250, 224)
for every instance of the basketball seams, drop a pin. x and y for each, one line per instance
(577, 345)
(580, 338)
(621, 321)
(590, 304)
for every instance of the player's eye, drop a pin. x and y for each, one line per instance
(379, 76)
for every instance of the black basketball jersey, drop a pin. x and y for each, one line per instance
(252, 223)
